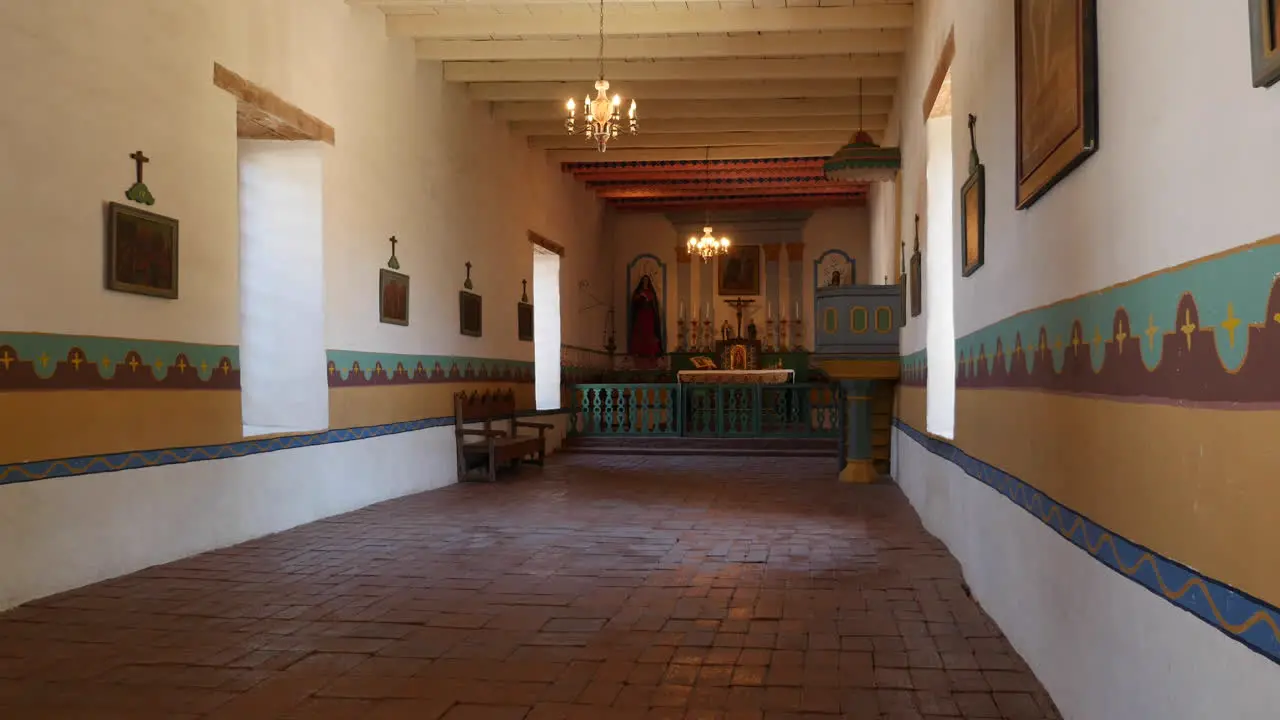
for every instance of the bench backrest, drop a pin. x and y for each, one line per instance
(483, 407)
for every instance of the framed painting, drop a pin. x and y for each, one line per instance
(1056, 79)
(973, 217)
(739, 270)
(393, 297)
(141, 252)
(917, 284)
(470, 314)
(524, 321)
(1264, 30)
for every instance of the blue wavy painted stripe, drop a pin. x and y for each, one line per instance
(1241, 617)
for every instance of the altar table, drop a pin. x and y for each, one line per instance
(774, 376)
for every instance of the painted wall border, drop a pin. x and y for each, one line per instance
(96, 464)
(1248, 620)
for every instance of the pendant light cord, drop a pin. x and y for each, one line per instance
(601, 39)
(706, 179)
(860, 96)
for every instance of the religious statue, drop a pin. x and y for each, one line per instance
(645, 336)
(726, 331)
(835, 278)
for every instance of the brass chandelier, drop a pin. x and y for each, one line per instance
(708, 246)
(603, 119)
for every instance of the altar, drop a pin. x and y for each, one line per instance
(772, 376)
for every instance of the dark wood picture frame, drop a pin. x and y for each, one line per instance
(470, 314)
(393, 305)
(1035, 176)
(973, 221)
(750, 284)
(524, 321)
(917, 284)
(130, 258)
(1264, 36)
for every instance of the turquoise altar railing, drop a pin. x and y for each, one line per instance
(802, 410)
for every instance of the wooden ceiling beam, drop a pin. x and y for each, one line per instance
(699, 109)
(582, 19)
(659, 126)
(699, 140)
(771, 44)
(795, 88)
(844, 68)
(737, 152)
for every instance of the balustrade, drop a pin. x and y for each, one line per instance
(808, 410)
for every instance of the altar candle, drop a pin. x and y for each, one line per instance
(768, 311)
(797, 309)
(681, 311)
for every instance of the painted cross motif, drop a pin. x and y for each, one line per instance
(138, 192)
(7, 359)
(1231, 323)
(181, 365)
(133, 364)
(76, 359)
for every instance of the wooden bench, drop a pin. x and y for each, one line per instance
(495, 446)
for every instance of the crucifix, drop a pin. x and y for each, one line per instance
(737, 305)
(393, 263)
(524, 291)
(973, 145)
(467, 284)
(138, 192)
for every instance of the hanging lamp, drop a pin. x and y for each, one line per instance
(603, 115)
(707, 246)
(861, 159)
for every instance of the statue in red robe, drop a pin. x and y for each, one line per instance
(645, 336)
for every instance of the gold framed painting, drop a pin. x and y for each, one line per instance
(1056, 79)
(1264, 32)
(973, 216)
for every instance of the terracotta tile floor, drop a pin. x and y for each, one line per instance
(599, 587)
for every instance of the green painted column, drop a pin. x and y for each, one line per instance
(858, 466)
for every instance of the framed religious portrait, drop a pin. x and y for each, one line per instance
(1056, 80)
(739, 270)
(141, 252)
(1264, 31)
(524, 321)
(470, 314)
(917, 284)
(973, 216)
(393, 297)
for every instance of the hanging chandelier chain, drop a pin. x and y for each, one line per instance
(601, 39)
(860, 99)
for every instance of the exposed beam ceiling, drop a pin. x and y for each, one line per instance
(698, 109)
(772, 44)
(581, 19)
(734, 124)
(846, 68)
(660, 90)
(759, 82)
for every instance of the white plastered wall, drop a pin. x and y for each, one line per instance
(413, 158)
(1185, 169)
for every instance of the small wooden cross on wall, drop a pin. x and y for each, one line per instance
(467, 284)
(138, 192)
(393, 263)
(524, 291)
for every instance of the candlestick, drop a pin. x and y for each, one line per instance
(768, 309)
(681, 311)
(797, 310)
